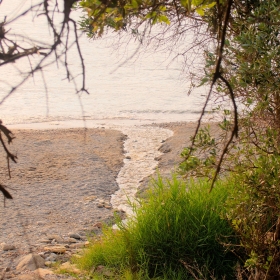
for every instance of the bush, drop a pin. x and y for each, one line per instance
(253, 210)
(177, 233)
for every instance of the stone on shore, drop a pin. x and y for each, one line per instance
(77, 245)
(26, 277)
(55, 249)
(31, 262)
(43, 272)
(7, 247)
(55, 237)
(74, 235)
(70, 267)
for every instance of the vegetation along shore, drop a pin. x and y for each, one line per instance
(217, 215)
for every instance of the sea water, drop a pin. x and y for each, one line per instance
(149, 86)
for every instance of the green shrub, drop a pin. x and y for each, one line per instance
(176, 233)
(253, 210)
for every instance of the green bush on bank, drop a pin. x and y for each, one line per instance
(254, 214)
(177, 233)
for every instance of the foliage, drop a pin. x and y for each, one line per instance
(177, 233)
(119, 15)
(251, 67)
(254, 213)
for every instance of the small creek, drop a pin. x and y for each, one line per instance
(141, 149)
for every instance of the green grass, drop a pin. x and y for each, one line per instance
(175, 234)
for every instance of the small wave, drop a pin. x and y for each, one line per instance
(164, 112)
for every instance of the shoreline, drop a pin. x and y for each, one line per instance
(65, 178)
(58, 183)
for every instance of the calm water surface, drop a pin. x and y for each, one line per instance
(146, 88)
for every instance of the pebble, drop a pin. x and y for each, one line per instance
(31, 262)
(74, 235)
(42, 254)
(70, 267)
(77, 245)
(44, 241)
(26, 277)
(55, 237)
(90, 198)
(52, 257)
(48, 263)
(42, 272)
(105, 271)
(98, 225)
(56, 249)
(7, 247)
(71, 240)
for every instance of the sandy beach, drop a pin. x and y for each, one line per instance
(65, 178)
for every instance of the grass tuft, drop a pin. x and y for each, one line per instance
(176, 233)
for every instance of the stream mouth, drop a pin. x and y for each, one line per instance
(141, 148)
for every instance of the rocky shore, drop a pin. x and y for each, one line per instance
(61, 185)
(62, 188)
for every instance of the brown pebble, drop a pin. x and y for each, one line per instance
(98, 225)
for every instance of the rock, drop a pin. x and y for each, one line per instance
(43, 272)
(100, 268)
(55, 237)
(31, 262)
(108, 273)
(52, 257)
(98, 225)
(44, 241)
(7, 247)
(165, 148)
(128, 157)
(108, 206)
(70, 267)
(74, 235)
(55, 249)
(76, 256)
(42, 254)
(26, 277)
(77, 245)
(104, 271)
(48, 263)
(90, 198)
(72, 240)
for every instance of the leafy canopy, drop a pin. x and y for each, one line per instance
(122, 15)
